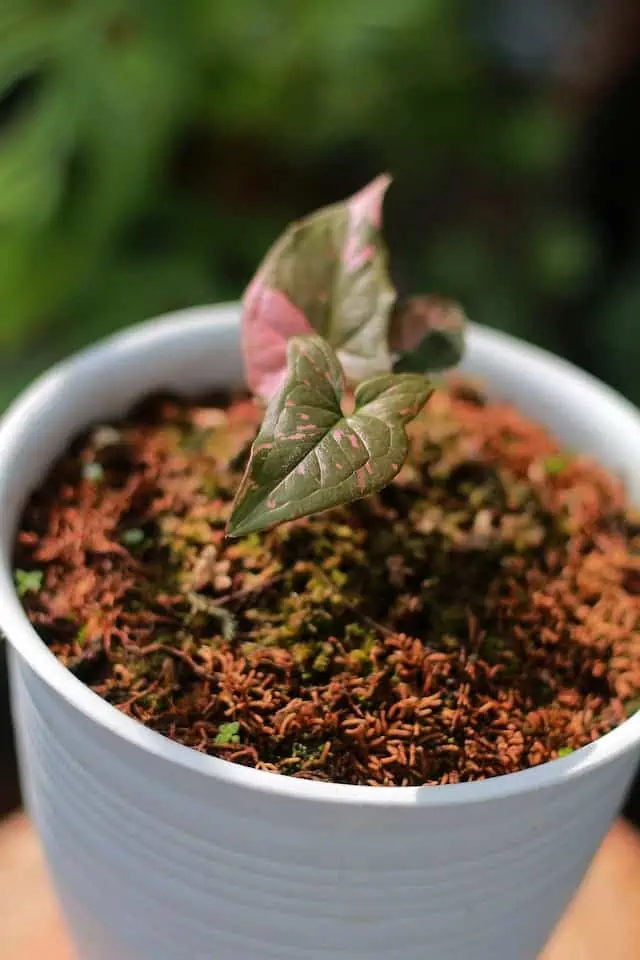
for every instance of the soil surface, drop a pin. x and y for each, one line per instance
(479, 616)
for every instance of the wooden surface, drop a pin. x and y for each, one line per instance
(603, 922)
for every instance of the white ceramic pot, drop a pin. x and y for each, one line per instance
(160, 853)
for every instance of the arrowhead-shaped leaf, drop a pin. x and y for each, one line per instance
(326, 274)
(428, 333)
(308, 455)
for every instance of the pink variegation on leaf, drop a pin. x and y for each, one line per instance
(366, 205)
(355, 256)
(364, 209)
(270, 320)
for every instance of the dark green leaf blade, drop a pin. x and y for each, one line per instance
(428, 333)
(309, 456)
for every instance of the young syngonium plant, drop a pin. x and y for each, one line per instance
(321, 318)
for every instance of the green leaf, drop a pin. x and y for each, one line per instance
(310, 456)
(132, 537)
(327, 274)
(228, 733)
(93, 472)
(27, 581)
(556, 463)
(428, 333)
(565, 752)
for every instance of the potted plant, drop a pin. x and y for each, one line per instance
(350, 676)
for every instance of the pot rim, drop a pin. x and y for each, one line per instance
(27, 643)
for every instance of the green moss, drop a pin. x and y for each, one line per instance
(492, 648)
(632, 707)
(413, 610)
(306, 751)
(132, 537)
(556, 463)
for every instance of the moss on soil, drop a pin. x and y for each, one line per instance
(479, 616)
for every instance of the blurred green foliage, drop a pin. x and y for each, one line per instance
(151, 149)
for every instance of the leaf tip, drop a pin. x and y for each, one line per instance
(231, 531)
(367, 202)
(239, 523)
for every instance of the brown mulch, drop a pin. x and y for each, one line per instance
(479, 616)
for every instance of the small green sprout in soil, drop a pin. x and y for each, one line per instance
(132, 537)
(227, 734)
(27, 581)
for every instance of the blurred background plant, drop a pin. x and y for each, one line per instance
(150, 150)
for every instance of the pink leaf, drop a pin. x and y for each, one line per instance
(270, 320)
